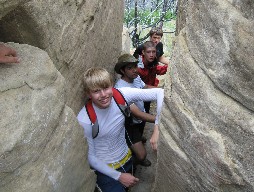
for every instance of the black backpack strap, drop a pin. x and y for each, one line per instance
(123, 106)
(121, 102)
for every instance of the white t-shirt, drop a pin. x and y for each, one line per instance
(137, 83)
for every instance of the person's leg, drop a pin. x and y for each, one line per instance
(137, 147)
(147, 106)
(141, 127)
(141, 130)
(139, 150)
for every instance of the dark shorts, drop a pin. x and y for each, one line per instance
(108, 184)
(133, 133)
(147, 106)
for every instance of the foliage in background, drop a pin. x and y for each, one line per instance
(144, 14)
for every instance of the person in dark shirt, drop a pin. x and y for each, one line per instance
(155, 36)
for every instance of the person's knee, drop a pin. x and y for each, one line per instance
(141, 155)
(139, 151)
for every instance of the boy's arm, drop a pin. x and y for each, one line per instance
(133, 95)
(163, 60)
(138, 51)
(149, 86)
(155, 137)
(161, 69)
(142, 115)
(143, 72)
(148, 118)
(126, 179)
(94, 162)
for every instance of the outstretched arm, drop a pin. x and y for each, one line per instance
(155, 137)
(164, 60)
(157, 94)
(149, 86)
(142, 115)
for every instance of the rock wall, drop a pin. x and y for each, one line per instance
(126, 41)
(42, 147)
(75, 34)
(207, 125)
(6, 7)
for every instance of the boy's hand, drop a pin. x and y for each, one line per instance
(8, 55)
(155, 137)
(128, 180)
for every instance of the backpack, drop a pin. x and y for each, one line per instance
(122, 105)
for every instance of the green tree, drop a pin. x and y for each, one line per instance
(143, 14)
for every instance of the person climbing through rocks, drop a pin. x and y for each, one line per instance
(108, 152)
(128, 69)
(151, 67)
(155, 35)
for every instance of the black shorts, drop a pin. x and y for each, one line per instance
(133, 134)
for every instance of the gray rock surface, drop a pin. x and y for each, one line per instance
(76, 35)
(206, 140)
(7, 6)
(126, 41)
(42, 147)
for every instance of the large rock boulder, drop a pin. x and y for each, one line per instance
(75, 34)
(126, 41)
(207, 125)
(42, 147)
(7, 6)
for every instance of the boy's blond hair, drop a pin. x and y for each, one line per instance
(97, 78)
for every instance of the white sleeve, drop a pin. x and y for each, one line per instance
(94, 162)
(154, 94)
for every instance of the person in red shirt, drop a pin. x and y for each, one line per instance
(150, 67)
(155, 35)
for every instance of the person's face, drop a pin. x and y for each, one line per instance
(130, 72)
(155, 38)
(101, 97)
(149, 54)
